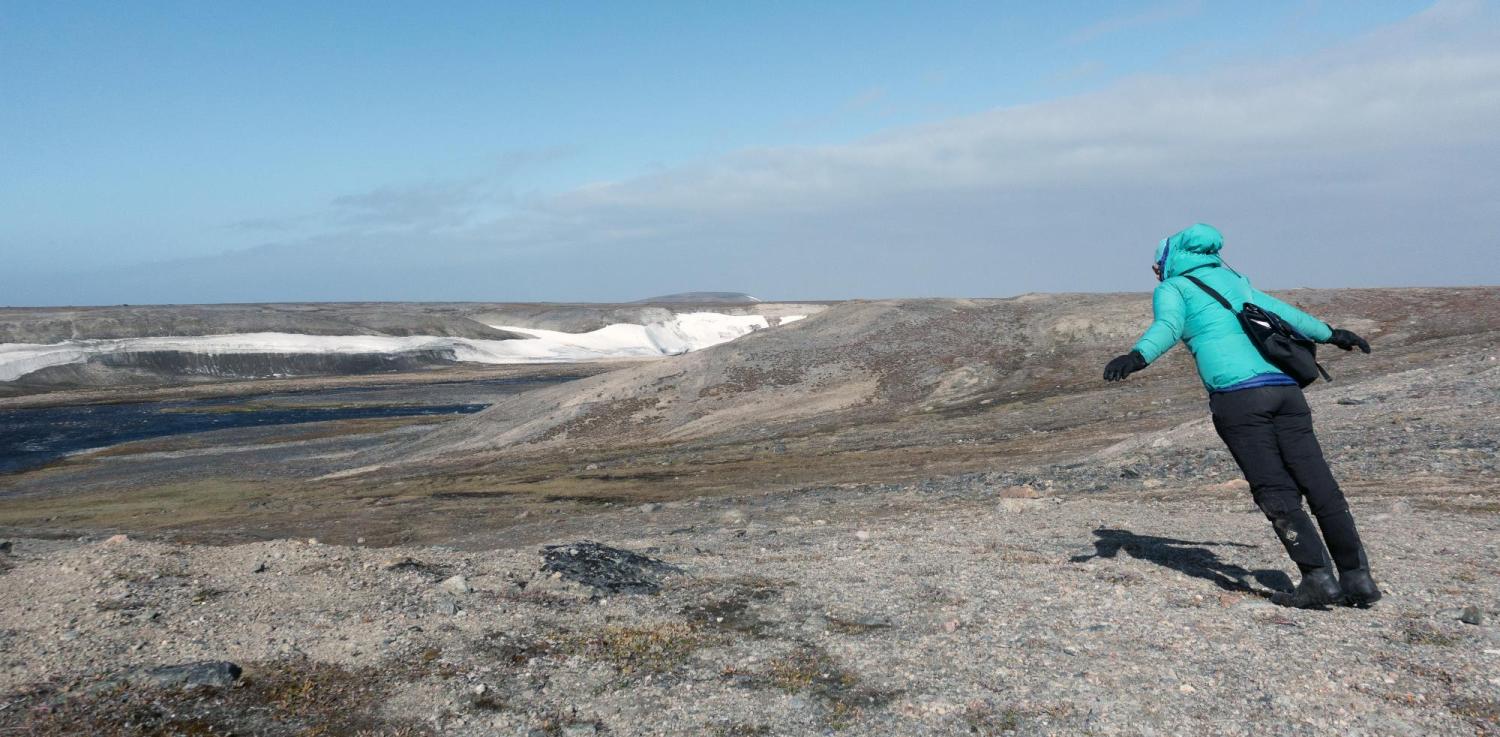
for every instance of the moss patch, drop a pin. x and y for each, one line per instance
(809, 671)
(649, 649)
(1422, 633)
(1481, 712)
(985, 720)
(288, 698)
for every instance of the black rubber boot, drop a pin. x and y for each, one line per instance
(1305, 547)
(1358, 587)
(1318, 590)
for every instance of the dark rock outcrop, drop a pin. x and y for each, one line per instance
(606, 569)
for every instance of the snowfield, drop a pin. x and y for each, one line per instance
(684, 332)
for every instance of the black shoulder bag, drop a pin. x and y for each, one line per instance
(1279, 342)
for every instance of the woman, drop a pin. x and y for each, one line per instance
(1258, 411)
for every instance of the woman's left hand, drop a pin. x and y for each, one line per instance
(1123, 366)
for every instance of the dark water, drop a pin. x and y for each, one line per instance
(33, 437)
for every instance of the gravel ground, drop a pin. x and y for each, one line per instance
(863, 611)
(1122, 586)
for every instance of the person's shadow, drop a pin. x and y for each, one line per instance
(1189, 557)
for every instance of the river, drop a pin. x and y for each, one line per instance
(30, 438)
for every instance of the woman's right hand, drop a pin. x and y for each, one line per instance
(1348, 340)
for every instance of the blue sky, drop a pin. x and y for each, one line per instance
(168, 152)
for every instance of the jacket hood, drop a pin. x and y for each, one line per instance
(1189, 248)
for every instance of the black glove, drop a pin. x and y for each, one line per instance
(1348, 341)
(1123, 366)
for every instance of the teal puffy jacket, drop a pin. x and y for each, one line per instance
(1225, 356)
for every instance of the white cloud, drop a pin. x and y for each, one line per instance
(1339, 107)
(1337, 165)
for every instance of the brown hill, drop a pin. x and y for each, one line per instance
(880, 374)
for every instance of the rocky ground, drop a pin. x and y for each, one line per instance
(862, 393)
(1129, 594)
(955, 607)
(974, 551)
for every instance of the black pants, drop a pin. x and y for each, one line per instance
(1269, 431)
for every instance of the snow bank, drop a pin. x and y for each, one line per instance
(683, 333)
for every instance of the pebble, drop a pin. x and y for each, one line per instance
(1018, 492)
(210, 673)
(1470, 614)
(1013, 505)
(862, 535)
(456, 585)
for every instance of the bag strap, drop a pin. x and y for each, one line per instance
(1210, 292)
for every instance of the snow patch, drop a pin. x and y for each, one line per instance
(684, 332)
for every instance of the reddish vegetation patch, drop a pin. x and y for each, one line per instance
(605, 419)
(741, 379)
(277, 699)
